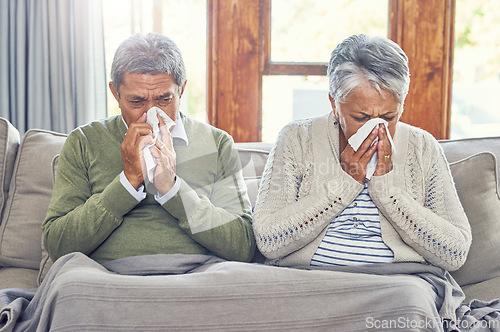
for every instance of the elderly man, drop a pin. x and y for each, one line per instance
(105, 205)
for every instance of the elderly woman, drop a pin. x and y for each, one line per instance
(319, 204)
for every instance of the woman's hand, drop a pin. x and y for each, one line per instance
(354, 162)
(384, 150)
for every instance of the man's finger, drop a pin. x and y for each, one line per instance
(145, 140)
(166, 136)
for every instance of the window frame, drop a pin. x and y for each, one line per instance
(282, 68)
(239, 55)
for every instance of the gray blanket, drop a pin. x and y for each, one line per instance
(196, 292)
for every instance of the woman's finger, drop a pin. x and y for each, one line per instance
(367, 143)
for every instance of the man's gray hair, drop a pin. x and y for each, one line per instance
(376, 60)
(148, 54)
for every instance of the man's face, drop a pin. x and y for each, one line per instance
(140, 92)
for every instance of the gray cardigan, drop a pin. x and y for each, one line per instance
(304, 187)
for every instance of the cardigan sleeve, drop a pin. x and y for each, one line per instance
(292, 208)
(77, 219)
(434, 225)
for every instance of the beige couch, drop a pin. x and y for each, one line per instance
(26, 178)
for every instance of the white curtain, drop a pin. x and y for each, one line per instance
(52, 64)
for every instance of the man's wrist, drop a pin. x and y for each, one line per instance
(138, 193)
(162, 199)
(135, 183)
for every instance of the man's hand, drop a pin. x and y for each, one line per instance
(384, 150)
(139, 134)
(354, 162)
(163, 151)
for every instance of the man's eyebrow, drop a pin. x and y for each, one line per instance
(165, 95)
(135, 97)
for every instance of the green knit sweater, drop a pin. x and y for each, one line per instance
(92, 212)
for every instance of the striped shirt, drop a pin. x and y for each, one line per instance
(354, 237)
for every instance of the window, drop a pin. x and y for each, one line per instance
(308, 30)
(300, 39)
(168, 17)
(475, 110)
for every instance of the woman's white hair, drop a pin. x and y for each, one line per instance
(377, 61)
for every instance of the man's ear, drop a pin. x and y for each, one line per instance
(334, 109)
(114, 91)
(182, 88)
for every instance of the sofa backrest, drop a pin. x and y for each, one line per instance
(253, 158)
(28, 198)
(459, 149)
(26, 169)
(9, 143)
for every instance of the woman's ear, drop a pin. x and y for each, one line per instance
(400, 110)
(334, 109)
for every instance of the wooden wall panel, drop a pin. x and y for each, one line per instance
(424, 29)
(234, 81)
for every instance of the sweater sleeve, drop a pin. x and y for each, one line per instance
(222, 220)
(291, 209)
(77, 219)
(437, 227)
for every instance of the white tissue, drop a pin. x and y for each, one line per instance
(152, 119)
(359, 137)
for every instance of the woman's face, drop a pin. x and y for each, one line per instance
(364, 103)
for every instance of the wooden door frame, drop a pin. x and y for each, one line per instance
(425, 31)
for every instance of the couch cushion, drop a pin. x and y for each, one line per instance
(253, 158)
(476, 182)
(29, 196)
(46, 262)
(15, 277)
(45, 265)
(485, 291)
(459, 149)
(9, 143)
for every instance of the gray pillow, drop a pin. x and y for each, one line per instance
(29, 196)
(476, 182)
(46, 262)
(9, 143)
(253, 161)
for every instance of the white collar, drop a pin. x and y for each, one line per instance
(178, 131)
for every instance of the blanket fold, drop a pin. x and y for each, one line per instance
(199, 292)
